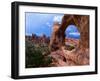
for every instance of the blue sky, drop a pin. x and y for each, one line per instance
(72, 32)
(41, 23)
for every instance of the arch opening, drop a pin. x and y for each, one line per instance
(72, 37)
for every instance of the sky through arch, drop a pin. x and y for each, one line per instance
(72, 32)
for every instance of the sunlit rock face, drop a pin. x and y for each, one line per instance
(80, 56)
(54, 40)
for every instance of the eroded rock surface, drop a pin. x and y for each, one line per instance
(80, 55)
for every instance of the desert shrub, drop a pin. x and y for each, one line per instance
(37, 55)
(70, 47)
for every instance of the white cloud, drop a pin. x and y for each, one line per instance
(48, 24)
(74, 33)
(58, 18)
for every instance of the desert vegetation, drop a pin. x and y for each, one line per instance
(37, 53)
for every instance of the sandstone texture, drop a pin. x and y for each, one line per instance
(79, 55)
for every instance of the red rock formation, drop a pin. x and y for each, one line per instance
(80, 56)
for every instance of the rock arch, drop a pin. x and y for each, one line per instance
(80, 56)
(81, 21)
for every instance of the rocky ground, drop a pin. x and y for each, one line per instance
(65, 57)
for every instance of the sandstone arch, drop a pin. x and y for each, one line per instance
(80, 56)
(81, 21)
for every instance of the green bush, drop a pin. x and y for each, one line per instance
(37, 55)
(70, 47)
